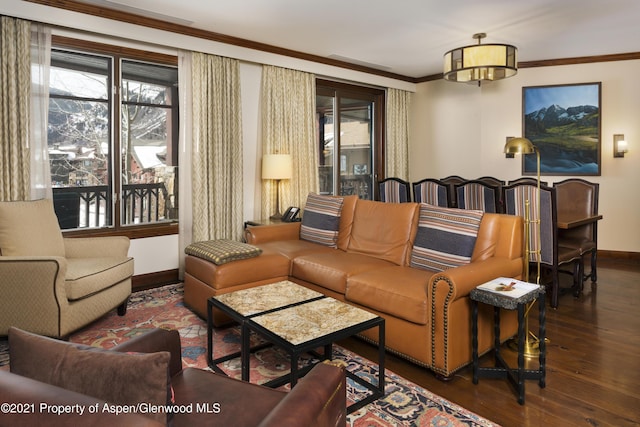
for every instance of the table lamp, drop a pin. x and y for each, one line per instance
(525, 146)
(277, 167)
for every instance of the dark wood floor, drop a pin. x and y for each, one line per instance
(593, 362)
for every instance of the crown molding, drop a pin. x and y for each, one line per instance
(131, 18)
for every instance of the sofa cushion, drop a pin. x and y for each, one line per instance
(384, 230)
(398, 290)
(30, 228)
(332, 269)
(87, 276)
(294, 248)
(346, 220)
(118, 378)
(321, 219)
(445, 238)
(222, 251)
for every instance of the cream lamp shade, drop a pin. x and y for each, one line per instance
(480, 62)
(276, 166)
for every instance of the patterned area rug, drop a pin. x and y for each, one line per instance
(404, 404)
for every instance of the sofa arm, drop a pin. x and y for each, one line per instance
(33, 293)
(273, 232)
(96, 247)
(460, 281)
(154, 341)
(32, 403)
(450, 312)
(318, 400)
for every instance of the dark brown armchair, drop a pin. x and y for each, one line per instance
(206, 398)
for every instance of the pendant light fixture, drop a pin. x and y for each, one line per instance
(480, 62)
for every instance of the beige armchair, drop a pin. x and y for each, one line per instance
(52, 285)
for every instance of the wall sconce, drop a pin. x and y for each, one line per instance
(619, 145)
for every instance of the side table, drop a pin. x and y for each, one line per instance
(259, 222)
(504, 300)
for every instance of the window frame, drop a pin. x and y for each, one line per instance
(119, 53)
(378, 97)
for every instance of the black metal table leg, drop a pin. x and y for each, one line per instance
(209, 334)
(521, 339)
(542, 338)
(245, 351)
(496, 333)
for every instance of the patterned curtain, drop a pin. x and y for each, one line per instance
(397, 162)
(288, 127)
(216, 148)
(15, 93)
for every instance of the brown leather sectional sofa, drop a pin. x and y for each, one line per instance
(427, 313)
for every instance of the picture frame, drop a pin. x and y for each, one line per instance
(564, 123)
(360, 169)
(343, 163)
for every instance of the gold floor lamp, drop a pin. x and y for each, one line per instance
(524, 146)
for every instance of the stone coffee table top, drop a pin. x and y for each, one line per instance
(248, 302)
(312, 320)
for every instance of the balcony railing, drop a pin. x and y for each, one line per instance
(90, 207)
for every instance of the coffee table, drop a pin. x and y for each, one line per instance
(297, 320)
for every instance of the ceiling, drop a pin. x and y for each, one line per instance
(409, 37)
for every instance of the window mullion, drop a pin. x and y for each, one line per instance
(116, 138)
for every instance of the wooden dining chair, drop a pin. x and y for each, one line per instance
(527, 180)
(450, 181)
(578, 198)
(478, 195)
(553, 257)
(431, 191)
(394, 190)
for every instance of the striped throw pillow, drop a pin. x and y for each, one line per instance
(321, 220)
(445, 238)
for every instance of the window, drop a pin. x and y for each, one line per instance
(350, 138)
(106, 173)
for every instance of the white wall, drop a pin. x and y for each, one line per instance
(162, 253)
(460, 129)
(456, 128)
(154, 254)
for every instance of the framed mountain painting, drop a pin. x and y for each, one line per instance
(563, 122)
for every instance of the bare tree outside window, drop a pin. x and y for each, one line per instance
(94, 158)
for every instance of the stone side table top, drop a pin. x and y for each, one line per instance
(248, 302)
(502, 299)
